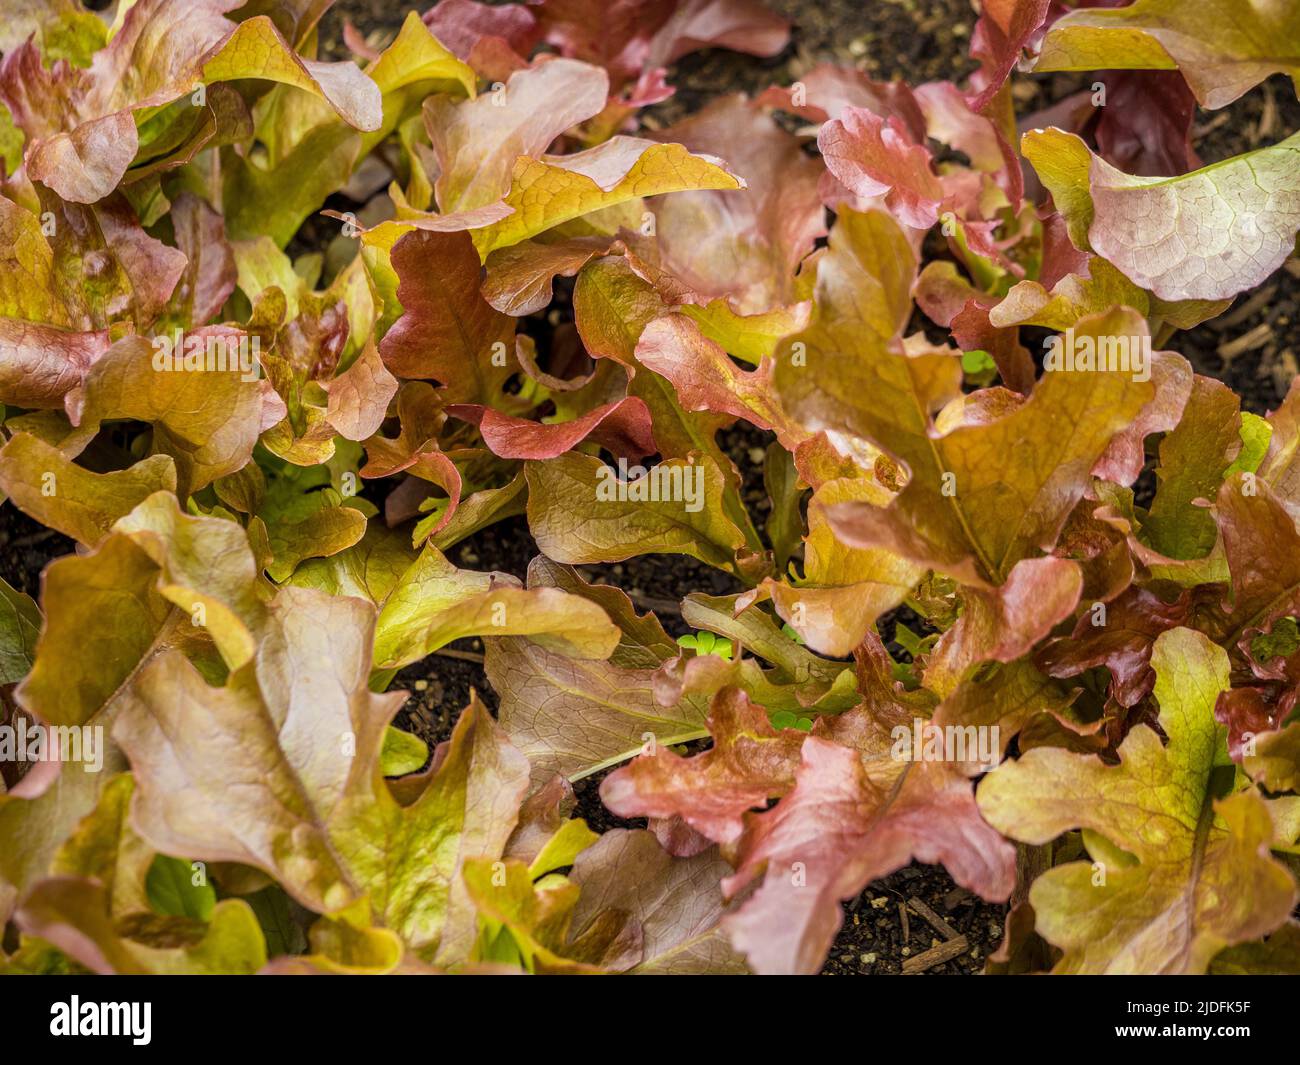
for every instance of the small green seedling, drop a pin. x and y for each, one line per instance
(707, 643)
(979, 367)
(789, 719)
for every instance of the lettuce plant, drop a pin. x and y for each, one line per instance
(279, 333)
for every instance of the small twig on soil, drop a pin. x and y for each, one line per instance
(935, 956)
(1256, 338)
(34, 538)
(936, 922)
(1246, 311)
(907, 931)
(1209, 127)
(1285, 369)
(1268, 120)
(463, 656)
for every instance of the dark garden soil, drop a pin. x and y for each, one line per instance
(25, 547)
(1253, 348)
